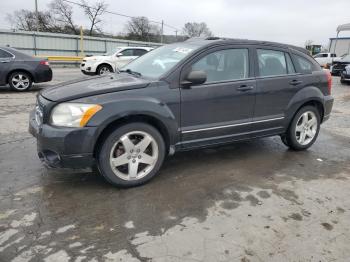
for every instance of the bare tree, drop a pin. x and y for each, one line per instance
(140, 28)
(63, 13)
(28, 21)
(93, 13)
(193, 29)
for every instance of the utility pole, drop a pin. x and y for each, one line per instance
(161, 36)
(37, 15)
(176, 35)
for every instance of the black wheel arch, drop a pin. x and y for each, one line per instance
(31, 75)
(139, 118)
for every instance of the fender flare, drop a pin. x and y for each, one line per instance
(306, 95)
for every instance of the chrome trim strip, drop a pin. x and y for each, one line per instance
(233, 125)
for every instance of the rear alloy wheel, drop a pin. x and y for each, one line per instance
(20, 81)
(304, 129)
(131, 155)
(104, 69)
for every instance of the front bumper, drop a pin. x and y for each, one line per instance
(345, 76)
(60, 147)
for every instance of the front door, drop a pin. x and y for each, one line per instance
(220, 109)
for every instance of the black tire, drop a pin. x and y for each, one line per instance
(290, 138)
(102, 69)
(103, 157)
(20, 81)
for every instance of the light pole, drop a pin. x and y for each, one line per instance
(37, 15)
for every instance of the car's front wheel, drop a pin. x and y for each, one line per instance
(303, 130)
(104, 69)
(20, 81)
(131, 155)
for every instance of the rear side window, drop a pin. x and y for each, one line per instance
(4, 54)
(271, 62)
(333, 55)
(304, 65)
(224, 65)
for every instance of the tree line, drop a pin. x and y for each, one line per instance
(58, 18)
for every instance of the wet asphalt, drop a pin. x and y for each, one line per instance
(249, 201)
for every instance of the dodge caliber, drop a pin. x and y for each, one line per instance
(195, 94)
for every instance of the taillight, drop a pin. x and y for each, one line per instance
(329, 81)
(44, 62)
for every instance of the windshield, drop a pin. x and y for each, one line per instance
(159, 61)
(346, 57)
(112, 52)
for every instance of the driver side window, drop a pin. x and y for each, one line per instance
(224, 65)
(126, 52)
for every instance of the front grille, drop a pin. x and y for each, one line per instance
(339, 66)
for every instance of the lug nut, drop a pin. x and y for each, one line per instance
(138, 150)
(131, 151)
(139, 157)
(129, 157)
(133, 160)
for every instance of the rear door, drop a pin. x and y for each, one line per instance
(277, 83)
(220, 109)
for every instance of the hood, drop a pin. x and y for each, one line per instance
(93, 86)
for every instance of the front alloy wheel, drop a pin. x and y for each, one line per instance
(104, 70)
(134, 155)
(131, 155)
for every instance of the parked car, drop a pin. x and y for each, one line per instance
(178, 97)
(338, 66)
(20, 70)
(110, 62)
(345, 75)
(325, 59)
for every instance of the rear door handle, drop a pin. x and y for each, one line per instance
(244, 88)
(295, 82)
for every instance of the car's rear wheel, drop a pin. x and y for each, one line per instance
(20, 81)
(104, 69)
(131, 155)
(304, 129)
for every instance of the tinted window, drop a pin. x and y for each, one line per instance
(304, 65)
(127, 52)
(4, 54)
(333, 55)
(291, 69)
(139, 52)
(271, 63)
(320, 55)
(223, 65)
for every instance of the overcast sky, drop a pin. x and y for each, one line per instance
(287, 21)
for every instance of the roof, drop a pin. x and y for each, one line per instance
(206, 41)
(344, 27)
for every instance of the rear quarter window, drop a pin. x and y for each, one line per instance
(305, 65)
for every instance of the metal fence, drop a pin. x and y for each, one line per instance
(50, 44)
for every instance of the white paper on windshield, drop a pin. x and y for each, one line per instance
(182, 50)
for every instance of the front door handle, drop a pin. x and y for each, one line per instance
(295, 82)
(244, 88)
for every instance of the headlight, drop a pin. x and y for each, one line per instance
(73, 114)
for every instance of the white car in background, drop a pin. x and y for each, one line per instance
(325, 59)
(112, 61)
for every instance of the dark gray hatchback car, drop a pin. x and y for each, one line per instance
(182, 96)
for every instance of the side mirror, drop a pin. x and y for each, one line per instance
(119, 55)
(195, 78)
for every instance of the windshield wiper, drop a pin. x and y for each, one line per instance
(129, 71)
